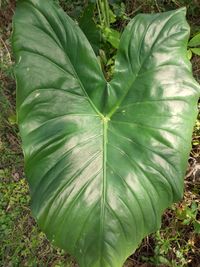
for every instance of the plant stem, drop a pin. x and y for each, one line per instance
(99, 12)
(106, 8)
(103, 10)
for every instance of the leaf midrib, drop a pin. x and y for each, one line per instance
(103, 194)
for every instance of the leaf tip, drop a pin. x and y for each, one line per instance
(182, 10)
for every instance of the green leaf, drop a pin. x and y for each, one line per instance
(195, 41)
(196, 51)
(112, 36)
(12, 119)
(196, 225)
(89, 27)
(103, 160)
(119, 10)
(189, 54)
(163, 260)
(112, 16)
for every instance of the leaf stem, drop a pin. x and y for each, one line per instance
(99, 12)
(106, 8)
(103, 10)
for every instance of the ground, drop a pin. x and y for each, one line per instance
(177, 243)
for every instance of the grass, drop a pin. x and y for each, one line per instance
(177, 243)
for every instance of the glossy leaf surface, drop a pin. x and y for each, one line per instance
(103, 160)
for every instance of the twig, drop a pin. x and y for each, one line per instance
(5, 46)
(156, 3)
(135, 10)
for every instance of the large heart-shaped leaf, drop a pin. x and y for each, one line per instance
(103, 160)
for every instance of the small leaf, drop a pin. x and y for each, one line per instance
(194, 207)
(162, 260)
(196, 51)
(195, 41)
(195, 142)
(196, 225)
(119, 9)
(189, 54)
(12, 119)
(186, 221)
(112, 36)
(112, 16)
